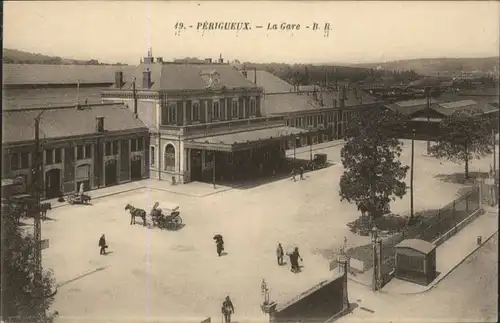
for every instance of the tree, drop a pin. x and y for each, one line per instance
(373, 175)
(23, 298)
(463, 136)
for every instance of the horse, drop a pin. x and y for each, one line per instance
(44, 207)
(135, 212)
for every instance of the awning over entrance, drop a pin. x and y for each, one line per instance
(244, 139)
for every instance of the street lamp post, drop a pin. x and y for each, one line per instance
(375, 259)
(213, 168)
(310, 147)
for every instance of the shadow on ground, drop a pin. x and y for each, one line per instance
(255, 181)
(459, 178)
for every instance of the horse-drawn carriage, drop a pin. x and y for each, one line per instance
(166, 217)
(78, 199)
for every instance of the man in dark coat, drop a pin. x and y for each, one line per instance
(279, 254)
(294, 259)
(102, 244)
(227, 309)
(301, 171)
(220, 244)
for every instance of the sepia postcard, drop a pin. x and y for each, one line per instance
(250, 161)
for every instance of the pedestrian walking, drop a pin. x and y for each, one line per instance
(293, 175)
(102, 245)
(301, 170)
(279, 254)
(227, 309)
(294, 260)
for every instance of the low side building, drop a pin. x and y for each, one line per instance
(98, 145)
(322, 112)
(424, 116)
(416, 261)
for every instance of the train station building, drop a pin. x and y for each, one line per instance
(205, 120)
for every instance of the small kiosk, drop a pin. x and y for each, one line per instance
(416, 261)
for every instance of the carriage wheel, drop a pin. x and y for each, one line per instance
(176, 222)
(71, 202)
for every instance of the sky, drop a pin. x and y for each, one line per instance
(360, 32)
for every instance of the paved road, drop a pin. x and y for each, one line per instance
(155, 273)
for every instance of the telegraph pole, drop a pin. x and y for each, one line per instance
(37, 181)
(411, 173)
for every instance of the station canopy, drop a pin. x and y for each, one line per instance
(244, 139)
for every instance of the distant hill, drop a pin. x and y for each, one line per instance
(443, 66)
(14, 56)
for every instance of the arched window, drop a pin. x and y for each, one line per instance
(169, 158)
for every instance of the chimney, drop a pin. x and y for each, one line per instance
(99, 124)
(118, 79)
(245, 73)
(221, 60)
(146, 79)
(208, 60)
(149, 59)
(159, 60)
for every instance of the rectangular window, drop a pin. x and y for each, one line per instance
(195, 113)
(14, 161)
(253, 107)
(234, 108)
(240, 111)
(330, 117)
(309, 120)
(152, 155)
(88, 151)
(58, 155)
(216, 110)
(288, 122)
(139, 144)
(108, 148)
(320, 119)
(115, 147)
(172, 113)
(25, 160)
(49, 158)
(133, 144)
(80, 152)
(164, 115)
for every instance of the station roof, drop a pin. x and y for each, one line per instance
(29, 98)
(18, 125)
(418, 245)
(40, 74)
(184, 76)
(412, 107)
(269, 82)
(241, 140)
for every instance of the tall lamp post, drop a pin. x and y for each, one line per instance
(411, 171)
(213, 168)
(37, 187)
(310, 146)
